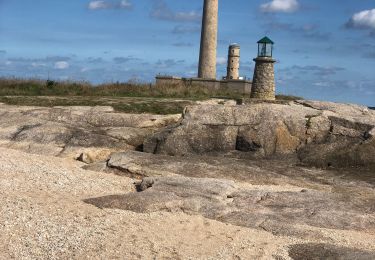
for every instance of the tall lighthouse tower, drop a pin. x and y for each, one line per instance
(207, 56)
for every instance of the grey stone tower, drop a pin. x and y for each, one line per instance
(207, 56)
(264, 74)
(233, 62)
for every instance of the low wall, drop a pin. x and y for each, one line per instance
(236, 86)
(168, 80)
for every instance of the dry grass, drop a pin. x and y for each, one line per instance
(162, 106)
(126, 97)
(35, 87)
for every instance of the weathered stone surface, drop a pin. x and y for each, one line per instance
(275, 211)
(173, 194)
(255, 172)
(131, 135)
(88, 133)
(266, 194)
(217, 101)
(91, 155)
(207, 55)
(318, 133)
(310, 251)
(263, 86)
(220, 206)
(196, 139)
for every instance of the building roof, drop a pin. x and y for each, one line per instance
(236, 45)
(266, 40)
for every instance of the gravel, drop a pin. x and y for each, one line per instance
(43, 216)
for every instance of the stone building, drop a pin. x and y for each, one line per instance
(263, 86)
(233, 68)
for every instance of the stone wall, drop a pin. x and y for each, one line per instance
(234, 86)
(168, 80)
(264, 79)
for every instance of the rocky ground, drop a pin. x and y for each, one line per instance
(88, 133)
(220, 182)
(315, 133)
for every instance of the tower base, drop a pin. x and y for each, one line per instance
(264, 79)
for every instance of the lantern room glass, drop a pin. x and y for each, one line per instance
(265, 49)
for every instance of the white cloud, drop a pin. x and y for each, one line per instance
(61, 65)
(125, 4)
(221, 60)
(282, 6)
(161, 11)
(102, 4)
(364, 19)
(94, 5)
(188, 16)
(321, 84)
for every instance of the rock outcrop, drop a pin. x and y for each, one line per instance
(87, 133)
(220, 203)
(265, 194)
(316, 133)
(273, 195)
(255, 172)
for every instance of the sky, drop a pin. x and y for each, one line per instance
(325, 49)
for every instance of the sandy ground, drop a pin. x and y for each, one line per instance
(43, 216)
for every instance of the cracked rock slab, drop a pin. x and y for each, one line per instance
(322, 134)
(222, 200)
(88, 133)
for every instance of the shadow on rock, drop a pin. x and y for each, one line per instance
(321, 134)
(326, 251)
(273, 211)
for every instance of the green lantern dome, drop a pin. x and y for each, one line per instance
(265, 47)
(266, 40)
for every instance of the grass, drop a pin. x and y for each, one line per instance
(35, 87)
(121, 104)
(288, 97)
(124, 97)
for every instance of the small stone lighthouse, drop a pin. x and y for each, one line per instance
(264, 74)
(233, 69)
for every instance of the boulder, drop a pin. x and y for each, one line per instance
(317, 133)
(91, 155)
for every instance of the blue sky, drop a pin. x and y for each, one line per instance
(325, 48)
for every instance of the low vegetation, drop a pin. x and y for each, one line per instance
(131, 97)
(161, 106)
(34, 87)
